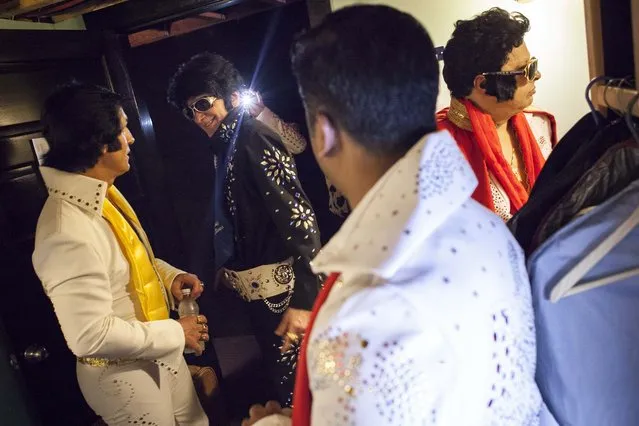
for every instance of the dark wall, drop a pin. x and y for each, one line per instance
(259, 47)
(617, 38)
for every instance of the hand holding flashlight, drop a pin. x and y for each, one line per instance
(252, 102)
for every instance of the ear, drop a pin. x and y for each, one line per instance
(327, 135)
(235, 99)
(104, 150)
(479, 83)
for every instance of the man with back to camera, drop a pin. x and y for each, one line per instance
(426, 317)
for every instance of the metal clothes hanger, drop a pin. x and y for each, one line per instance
(629, 119)
(570, 283)
(593, 111)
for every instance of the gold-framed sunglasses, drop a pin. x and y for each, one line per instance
(529, 71)
(201, 104)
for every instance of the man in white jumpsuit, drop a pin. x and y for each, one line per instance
(426, 318)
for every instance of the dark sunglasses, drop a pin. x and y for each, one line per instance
(202, 104)
(529, 71)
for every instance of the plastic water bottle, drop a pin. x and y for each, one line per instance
(188, 307)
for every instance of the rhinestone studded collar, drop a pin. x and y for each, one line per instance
(404, 207)
(82, 191)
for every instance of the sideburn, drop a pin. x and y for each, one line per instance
(502, 87)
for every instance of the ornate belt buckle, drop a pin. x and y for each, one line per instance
(283, 274)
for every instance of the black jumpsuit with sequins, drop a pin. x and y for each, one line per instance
(272, 221)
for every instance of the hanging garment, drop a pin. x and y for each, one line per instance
(616, 169)
(587, 357)
(575, 154)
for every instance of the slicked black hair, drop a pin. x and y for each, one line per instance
(373, 71)
(78, 121)
(204, 73)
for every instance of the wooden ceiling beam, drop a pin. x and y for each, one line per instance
(12, 8)
(187, 25)
(86, 7)
(50, 10)
(134, 16)
(203, 20)
(213, 16)
(180, 27)
(147, 37)
(249, 8)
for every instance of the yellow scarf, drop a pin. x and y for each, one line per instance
(145, 281)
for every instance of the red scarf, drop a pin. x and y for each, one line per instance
(302, 398)
(476, 135)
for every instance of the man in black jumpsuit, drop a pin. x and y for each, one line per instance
(265, 228)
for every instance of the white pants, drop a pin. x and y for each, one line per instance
(142, 392)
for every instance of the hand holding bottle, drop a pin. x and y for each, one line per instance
(196, 329)
(196, 332)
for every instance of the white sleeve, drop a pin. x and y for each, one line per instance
(292, 139)
(77, 282)
(168, 273)
(374, 363)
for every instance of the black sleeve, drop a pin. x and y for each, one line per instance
(275, 175)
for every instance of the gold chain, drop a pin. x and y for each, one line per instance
(522, 178)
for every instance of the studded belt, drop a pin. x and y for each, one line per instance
(263, 282)
(103, 362)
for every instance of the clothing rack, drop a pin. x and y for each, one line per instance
(612, 97)
(608, 40)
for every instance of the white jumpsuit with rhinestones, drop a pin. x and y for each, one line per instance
(432, 322)
(86, 276)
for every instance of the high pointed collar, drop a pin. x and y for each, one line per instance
(83, 191)
(410, 202)
(458, 115)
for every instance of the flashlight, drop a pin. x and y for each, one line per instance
(247, 99)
